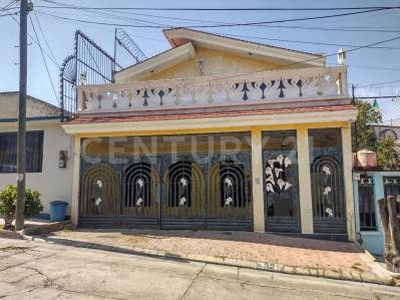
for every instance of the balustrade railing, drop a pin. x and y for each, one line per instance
(265, 86)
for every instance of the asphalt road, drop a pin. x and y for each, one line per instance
(39, 270)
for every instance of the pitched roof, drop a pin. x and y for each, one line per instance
(187, 39)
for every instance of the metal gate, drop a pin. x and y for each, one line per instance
(281, 196)
(99, 196)
(326, 170)
(162, 191)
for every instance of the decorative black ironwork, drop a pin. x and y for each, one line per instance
(392, 187)
(299, 84)
(327, 187)
(280, 88)
(366, 201)
(99, 191)
(275, 174)
(145, 97)
(138, 182)
(89, 64)
(180, 184)
(233, 181)
(263, 87)
(245, 89)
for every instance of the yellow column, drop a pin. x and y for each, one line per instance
(257, 176)
(75, 181)
(348, 181)
(306, 212)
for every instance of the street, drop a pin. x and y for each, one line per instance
(40, 270)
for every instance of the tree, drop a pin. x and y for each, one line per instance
(363, 135)
(8, 199)
(386, 154)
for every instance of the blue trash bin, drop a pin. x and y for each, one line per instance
(58, 210)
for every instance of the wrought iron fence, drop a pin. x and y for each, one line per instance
(89, 64)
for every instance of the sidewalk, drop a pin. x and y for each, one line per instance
(336, 260)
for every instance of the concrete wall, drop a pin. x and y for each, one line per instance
(34, 107)
(214, 63)
(53, 183)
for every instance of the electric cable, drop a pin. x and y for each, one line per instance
(44, 60)
(216, 26)
(37, 43)
(44, 36)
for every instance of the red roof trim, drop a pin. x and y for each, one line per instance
(142, 118)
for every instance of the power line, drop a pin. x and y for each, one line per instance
(44, 36)
(44, 60)
(350, 29)
(217, 25)
(37, 43)
(106, 14)
(374, 68)
(333, 54)
(379, 83)
(346, 29)
(304, 42)
(10, 14)
(7, 6)
(222, 9)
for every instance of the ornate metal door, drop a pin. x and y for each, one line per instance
(140, 205)
(228, 203)
(326, 168)
(183, 203)
(281, 203)
(99, 196)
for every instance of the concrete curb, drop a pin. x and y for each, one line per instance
(30, 233)
(45, 228)
(350, 275)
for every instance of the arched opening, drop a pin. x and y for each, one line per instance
(99, 191)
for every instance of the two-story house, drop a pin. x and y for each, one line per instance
(217, 133)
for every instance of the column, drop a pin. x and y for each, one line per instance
(348, 182)
(257, 177)
(306, 212)
(75, 181)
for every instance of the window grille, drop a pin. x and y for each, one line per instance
(367, 203)
(34, 152)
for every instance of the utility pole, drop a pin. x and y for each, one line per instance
(21, 156)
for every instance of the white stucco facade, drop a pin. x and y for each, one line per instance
(53, 183)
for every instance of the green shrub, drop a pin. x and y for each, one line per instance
(8, 200)
(387, 155)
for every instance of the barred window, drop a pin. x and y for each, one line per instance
(367, 203)
(33, 151)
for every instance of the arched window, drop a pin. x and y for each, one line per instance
(99, 191)
(180, 184)
(233, 182)
(137, 181)
(327, 188)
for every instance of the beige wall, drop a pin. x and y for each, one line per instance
(34, 107)
(215, 63)
(53, 183)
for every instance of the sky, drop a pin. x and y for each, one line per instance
(374, 71)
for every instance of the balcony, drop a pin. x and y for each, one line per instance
(304, 87)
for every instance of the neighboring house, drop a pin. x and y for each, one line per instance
(217, 133)
(369, 187)
(371, 183)
(48, 149)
